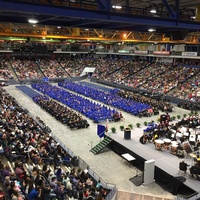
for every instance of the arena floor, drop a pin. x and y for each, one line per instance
(108, 165)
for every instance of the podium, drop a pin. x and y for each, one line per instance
(127, 133)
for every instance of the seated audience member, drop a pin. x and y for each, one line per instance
(98, 185)
(35, 193)
(16, 195)
(19, 170)
(183, 166)
(7, 172)
(60, 190)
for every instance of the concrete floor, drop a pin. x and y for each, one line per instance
(108, 165)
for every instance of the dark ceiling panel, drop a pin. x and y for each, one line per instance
(65, 16)
(101, 16)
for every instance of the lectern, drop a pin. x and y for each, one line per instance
(127, 133)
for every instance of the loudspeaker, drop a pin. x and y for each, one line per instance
(179, 34)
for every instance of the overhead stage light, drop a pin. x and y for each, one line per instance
(151, 29)
(33, 21)
(116, 7)
(153, 10)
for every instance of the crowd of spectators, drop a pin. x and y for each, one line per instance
(26, 69)
(144, 77)
(80, 64)
(39, 167)
(68, 65)
(125, 74)
(173, 79)
(51, 68)
(189, 90)
(5, 72)
(93, 110)
(61, 113)
(169, 80)
(74, 67)
(104, 67)
(181, 81)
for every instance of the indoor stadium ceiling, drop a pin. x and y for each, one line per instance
(105, 18)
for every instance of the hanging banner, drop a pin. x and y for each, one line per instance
(189, 53)
(166, 53)
(141, 52)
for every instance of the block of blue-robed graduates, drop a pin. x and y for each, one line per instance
(108, 97)
(90, 108)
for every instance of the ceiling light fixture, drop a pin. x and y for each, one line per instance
(153, 11)
(33, 21)
(151, 30)
(117, 7)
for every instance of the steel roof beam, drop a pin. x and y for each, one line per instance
(171, 14)
(177, 8)
(101, 4)
(98, 15)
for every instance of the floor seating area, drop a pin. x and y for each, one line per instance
(111, 98)
(98, 87)
(60, 112)
(90, 109)
(28, 91)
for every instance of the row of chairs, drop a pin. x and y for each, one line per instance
(110, 98)
(94, 111)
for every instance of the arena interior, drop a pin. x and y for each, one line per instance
(100, 100)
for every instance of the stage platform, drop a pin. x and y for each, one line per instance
(166, 164)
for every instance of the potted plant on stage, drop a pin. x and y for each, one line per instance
(173, 117)
(130, 126)
(121, 127)
(138, 125)
(190, 114)
(178, 116)
(145, 123)
(113, 129)
(184, 115)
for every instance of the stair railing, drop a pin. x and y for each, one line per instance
(97, 140)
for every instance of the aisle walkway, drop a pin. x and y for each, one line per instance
(107, 165)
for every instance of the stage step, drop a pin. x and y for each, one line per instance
(100, 146)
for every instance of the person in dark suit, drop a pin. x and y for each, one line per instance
(183, 166)
(194, 170)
